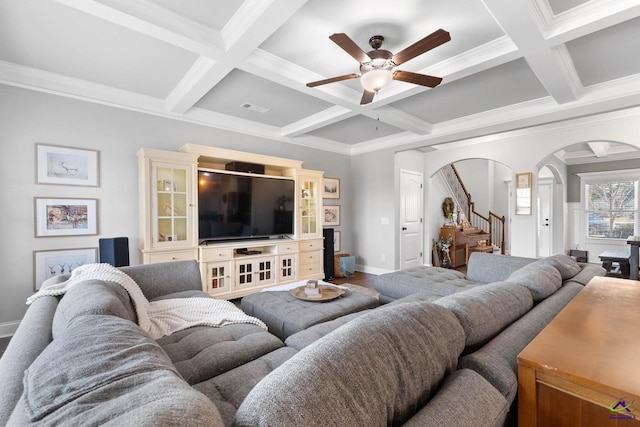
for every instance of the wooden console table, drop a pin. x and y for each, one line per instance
(583, 368)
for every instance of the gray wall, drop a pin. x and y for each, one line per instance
(28, 117)
(573, 180)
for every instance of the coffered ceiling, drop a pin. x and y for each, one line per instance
(243, 65)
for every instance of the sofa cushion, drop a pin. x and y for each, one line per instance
(227, 391)
(566, 266)
(436, 280)
(202, 352)
(165, 277)
(497, 361)
(94, 359)
(487, 268)
(399, 355)
(588, 272)
(486, 310)
(302, 339)
(540, 278)
(477, 403)
(92, 297)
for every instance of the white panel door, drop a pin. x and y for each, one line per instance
(410, 219)
(545, 195)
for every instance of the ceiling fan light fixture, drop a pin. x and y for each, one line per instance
(376, 79)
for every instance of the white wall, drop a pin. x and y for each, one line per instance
(28, 117)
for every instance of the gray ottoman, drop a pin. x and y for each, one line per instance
(285, 315)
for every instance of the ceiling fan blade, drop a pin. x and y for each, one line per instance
(349, 46)
(418, 79)
(333, 80)
(367, 97)
(434, 39)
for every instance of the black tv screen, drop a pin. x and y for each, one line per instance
(235, 206)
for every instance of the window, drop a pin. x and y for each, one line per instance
(611, 208)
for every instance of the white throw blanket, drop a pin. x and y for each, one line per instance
(158, 318)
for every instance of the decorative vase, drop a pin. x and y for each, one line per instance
(445, 262)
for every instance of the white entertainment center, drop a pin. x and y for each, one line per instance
(168, 188)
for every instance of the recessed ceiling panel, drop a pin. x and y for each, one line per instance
(239, 88)
(304, 39)
(53, 37)
(356, 129)
(507, 84)
(214, 14)
(559, 6)
(607, 54)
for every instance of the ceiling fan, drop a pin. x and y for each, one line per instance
(376, 66)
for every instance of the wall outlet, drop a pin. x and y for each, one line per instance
(383, 257)
(384, 221)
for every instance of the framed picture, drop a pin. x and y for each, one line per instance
(331, 188)
(336, 241)
(66, 217)
(523, 193)
(51, 263)
(66, 165)
(331, 215)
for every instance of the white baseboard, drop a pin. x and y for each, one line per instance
(8, 329)
(372, 270)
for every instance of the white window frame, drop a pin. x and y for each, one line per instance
(602, 177)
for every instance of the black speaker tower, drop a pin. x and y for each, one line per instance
(329, 273)
(114, 251)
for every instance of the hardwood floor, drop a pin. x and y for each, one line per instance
(359, 278)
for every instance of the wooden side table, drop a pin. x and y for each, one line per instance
(582, 369)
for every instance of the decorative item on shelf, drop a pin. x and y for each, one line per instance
(448, 208)
(170, 210)
(443, 244)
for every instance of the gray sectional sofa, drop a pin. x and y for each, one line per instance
(436, 355)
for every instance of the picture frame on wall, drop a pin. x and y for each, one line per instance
(61, 165)
(331, 215)
(336, 241)
(331, 188)
(65, 217)
(523, 193)
(50, 263)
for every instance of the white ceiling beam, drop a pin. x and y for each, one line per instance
(552, 66)
(252, 24)
(154, 21)
(316, 121)
(599, 148)
(584, 19)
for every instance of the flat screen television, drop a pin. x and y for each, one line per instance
(233, 206)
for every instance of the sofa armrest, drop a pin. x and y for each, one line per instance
(31, 338)
(164, 278)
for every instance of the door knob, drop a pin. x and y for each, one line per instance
(404, 228)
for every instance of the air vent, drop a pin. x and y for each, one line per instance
(253, 107)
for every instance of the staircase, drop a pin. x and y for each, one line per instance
(492, 224)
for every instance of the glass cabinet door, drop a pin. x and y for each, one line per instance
(172, 204)
(309, 215)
